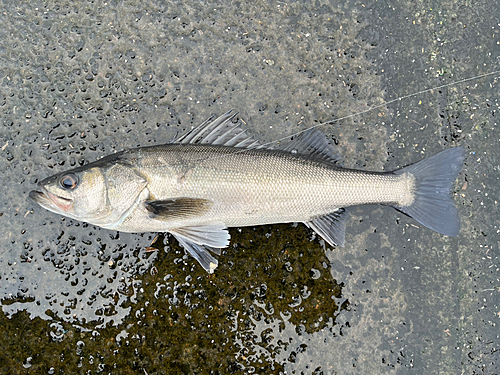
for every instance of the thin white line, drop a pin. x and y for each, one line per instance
(384, 104)
(360, 113)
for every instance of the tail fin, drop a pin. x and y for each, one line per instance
(434, 178)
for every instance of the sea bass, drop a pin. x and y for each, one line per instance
(216, 176)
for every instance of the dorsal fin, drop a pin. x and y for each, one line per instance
(221, 131)
(314, 143)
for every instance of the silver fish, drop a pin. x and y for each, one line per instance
(216, 176)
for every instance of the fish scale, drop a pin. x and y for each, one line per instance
(272, 183)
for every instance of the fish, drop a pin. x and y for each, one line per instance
(216, 176)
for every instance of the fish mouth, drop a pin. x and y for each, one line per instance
(51, 201)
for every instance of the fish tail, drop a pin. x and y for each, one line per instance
(432, 205)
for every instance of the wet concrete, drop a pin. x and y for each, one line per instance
(80, 81)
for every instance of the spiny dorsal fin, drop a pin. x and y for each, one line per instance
(314, 143)
(221, 131)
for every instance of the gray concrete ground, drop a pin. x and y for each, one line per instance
(80, 80)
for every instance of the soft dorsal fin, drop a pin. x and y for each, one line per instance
(314, 143)
(221, 131)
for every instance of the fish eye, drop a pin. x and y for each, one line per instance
(68, 181)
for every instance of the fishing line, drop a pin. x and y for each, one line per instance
(241, 150)
(383, 104)
(362, 112)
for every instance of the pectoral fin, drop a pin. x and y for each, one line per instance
(200, 240)
(331, 227)
(179, 208)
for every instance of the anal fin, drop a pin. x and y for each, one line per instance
(330, 227)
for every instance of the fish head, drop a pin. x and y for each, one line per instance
(79, 194)
(102, 193)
